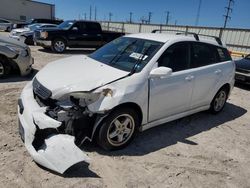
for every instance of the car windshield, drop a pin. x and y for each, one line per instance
(127, 53)
(33, 27)
(66, 25)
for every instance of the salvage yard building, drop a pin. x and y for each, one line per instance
(23, 10)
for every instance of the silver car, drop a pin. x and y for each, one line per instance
(5, 25)
(14, 55)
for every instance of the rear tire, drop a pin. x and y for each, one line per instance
(219, 101)
(4, 67)
(118, 129)
(59, 45)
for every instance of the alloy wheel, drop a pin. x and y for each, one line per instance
(220, 100)
(59, 46)
(120, 130)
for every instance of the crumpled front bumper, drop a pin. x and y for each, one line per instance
(59, 151)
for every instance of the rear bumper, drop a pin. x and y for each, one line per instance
(58, 151)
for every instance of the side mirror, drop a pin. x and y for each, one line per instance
(74, 29)
(160, 72)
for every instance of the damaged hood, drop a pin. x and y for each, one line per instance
(76, 73)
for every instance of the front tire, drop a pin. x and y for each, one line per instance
(59, 45)
(8, 29)
(118, 129)
(219, 101)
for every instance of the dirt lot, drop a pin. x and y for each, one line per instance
(202, 150)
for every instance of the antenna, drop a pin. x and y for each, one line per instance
(149, 17)
(95, 13)
(110, 15)
(90, 12)
(130, 17)
(229, 10)
(167, 17)
(198, 14)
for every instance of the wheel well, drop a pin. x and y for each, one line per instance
(10, 62)
(227, 87)
(134, 106)
(131, 105)
(62, 38)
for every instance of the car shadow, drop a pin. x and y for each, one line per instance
(70, 51)
(177, 131)
(78, 170)
(14, 77)
(242, 86)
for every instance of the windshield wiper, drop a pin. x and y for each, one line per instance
(139, 61)
(121, 53)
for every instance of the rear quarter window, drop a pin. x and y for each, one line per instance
(223, 54)
(203, 54)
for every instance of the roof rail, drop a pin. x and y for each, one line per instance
(195, 35)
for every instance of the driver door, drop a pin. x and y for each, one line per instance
(77, 35)
(172, 95)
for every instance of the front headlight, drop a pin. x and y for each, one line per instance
(44, 34)
(18, 50)
(86, 98)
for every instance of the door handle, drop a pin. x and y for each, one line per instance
(189, 78)
(217, 71)
(85, 35)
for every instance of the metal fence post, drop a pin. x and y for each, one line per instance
(160, 28)
(186, 28)
(108, 26)
(139, 28)
(221, 33)
(123, 28)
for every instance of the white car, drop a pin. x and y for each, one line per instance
(5, 25)
(131, 84)
(26, 34)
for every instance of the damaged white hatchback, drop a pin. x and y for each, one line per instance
(129, 85)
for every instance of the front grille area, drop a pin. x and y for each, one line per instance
(243, 70)
(37, 34)
(41, 91)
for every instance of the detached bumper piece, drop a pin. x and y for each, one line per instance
(53, 150)
(60, 153)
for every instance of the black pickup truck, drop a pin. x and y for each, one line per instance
(74, 34)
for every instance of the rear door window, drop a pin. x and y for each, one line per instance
(203, 54)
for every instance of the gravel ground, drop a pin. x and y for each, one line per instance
(201, 150)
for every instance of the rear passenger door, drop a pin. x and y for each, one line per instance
(208, 72)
